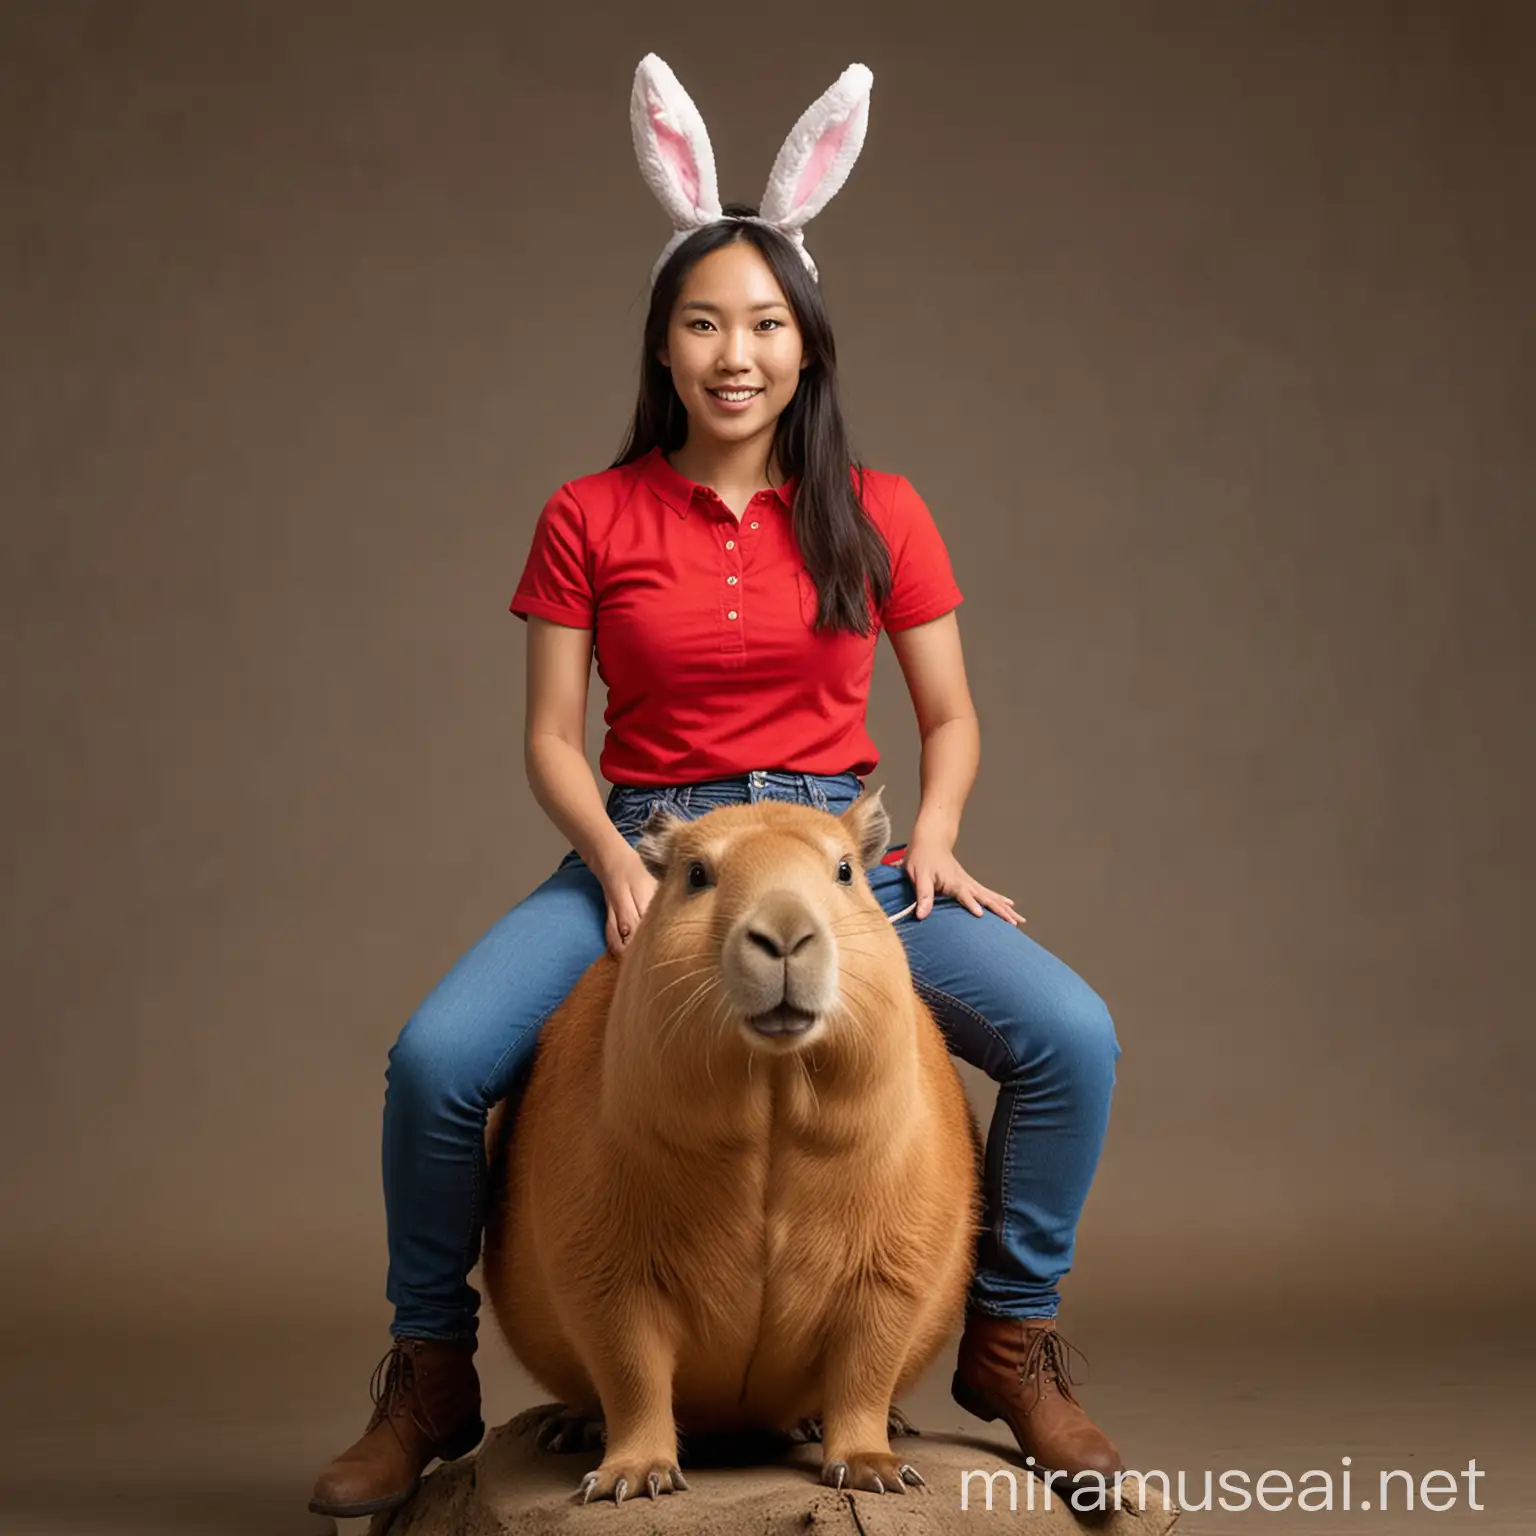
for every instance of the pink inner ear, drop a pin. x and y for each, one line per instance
(822, 156)
(675, 150)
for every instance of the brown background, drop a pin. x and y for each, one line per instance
(1205, 330)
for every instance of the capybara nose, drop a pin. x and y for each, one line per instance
(778, 943)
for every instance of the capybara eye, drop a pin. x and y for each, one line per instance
(698, 876)
(845, 872)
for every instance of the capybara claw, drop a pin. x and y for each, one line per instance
(870, 1471)
(625, 1479)
(910, 1474)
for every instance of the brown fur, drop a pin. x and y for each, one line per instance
(704, 1228)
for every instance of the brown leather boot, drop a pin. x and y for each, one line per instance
(426, 1403)
(1015, 1369)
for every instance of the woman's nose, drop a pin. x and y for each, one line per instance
(735, 349)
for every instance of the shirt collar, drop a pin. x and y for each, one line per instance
(678, 491)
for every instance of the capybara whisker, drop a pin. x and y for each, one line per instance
(691, 1000)
(677, 981)
(680, 1015)
(861, 922)
(810, 1083)
(687, 1002)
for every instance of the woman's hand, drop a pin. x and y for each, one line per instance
(628, 886)
(933, 869)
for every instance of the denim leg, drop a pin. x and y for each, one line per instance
(467, 1044)
(1026, 1019)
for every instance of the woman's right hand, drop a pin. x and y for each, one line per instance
(628, 886)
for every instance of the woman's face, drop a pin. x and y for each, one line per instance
(732, 330)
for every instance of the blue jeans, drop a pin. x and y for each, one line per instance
(1005, 1005)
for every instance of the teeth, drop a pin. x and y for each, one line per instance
(735, 394)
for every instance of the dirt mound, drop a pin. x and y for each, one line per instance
(745, 1488)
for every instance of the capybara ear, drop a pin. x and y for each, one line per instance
(655, 845)
(870, 823)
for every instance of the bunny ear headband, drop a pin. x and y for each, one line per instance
(678, 162)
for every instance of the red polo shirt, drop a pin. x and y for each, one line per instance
(703, 625)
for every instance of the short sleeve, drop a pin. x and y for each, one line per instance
(556, 583)
(922, 583)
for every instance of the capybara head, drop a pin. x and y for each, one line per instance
(763, 926)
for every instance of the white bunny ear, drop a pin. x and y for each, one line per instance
(672, 146)
(816, 158)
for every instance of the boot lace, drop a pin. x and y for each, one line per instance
(1048, 1358)
(394, 1379)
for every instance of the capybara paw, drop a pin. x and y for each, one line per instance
(873, 1472)
(566, 1430)
(620, 1480)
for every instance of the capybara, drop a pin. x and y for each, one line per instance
(740, 1190)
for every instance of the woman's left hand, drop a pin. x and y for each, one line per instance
(933, 869)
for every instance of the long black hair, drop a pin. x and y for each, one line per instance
(842, 548)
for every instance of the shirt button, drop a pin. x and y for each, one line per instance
(731, 614)
(754, 525)
(730, 581)
(730, 543)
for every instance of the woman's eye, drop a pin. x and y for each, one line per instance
(698, 876)
(778, 323)
(845, 873)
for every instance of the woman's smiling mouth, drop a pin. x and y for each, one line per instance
(733, 399)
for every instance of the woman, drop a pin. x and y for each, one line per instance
(735, 575)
